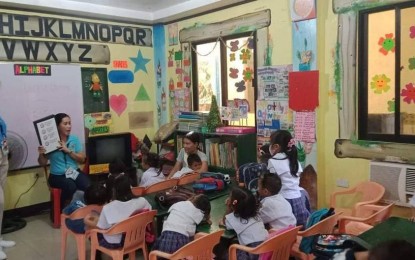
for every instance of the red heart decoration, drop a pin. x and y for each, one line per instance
(118, 103)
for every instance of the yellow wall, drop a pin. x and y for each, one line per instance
(329, 168)
(20, 181)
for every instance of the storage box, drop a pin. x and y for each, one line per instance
(236, 130)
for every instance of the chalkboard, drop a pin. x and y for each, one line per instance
(26, 98)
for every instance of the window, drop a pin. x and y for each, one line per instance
(225, 68)
(387, 74)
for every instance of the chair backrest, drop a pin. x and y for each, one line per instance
(82, 212)
(381, 213)
(188, 178)
(138, 191)
(159, 186)
(370, 191)
(200, 248)
(134, 229)
(279, 246)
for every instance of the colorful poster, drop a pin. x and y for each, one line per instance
(160, 66)
(179, 101)
(273, 82)
(173, 34)
(305, 45)
(273, 115)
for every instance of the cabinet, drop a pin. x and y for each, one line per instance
(225, 152)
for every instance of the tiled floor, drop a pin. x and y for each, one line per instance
(39, 241)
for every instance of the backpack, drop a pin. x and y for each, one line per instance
(208, 184)
(248, 174)
(169, 197)
(217, 175)
(327, 245)
(306, 244)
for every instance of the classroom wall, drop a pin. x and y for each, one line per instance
(20, 181)
(329, 168)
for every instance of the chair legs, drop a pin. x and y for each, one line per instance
(55, 198)
(80, 244)
(64, 234)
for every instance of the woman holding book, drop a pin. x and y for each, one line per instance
(64, 172)
(190, 146)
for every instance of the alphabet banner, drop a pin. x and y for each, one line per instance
(48, 51)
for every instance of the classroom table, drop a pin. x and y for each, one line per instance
(392, 228)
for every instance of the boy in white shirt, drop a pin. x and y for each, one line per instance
(275, 211)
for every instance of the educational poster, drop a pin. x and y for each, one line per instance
(272, 116)
(305, 127)
(98, 123)
(180, 100)
(273, 82)
(95, 90)
(304, 45)
(161, 71)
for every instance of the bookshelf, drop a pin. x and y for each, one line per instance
(225, 152)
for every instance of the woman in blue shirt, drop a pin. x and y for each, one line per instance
(64, 161)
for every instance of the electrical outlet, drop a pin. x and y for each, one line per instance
(342, 183)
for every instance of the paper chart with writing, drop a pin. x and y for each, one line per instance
(47, 133)
(305, 127)
(273, 82)
(272, 116)
(179, 101)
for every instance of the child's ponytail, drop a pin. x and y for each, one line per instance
(153, 160)
(287, 145)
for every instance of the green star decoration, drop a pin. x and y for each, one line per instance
(140, 62)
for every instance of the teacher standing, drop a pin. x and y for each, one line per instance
(4, 168)
(190, 146)
(65, 160)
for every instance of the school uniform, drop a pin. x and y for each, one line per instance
(151, 176)
(185, 170)
(290, 190)
(250, 233)
(277, 212)
(117, 211)
(179, 228)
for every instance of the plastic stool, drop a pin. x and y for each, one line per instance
(55, 211)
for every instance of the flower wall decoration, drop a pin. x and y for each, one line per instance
(245, 56)
(248, 74)
(408, 93)
(387, 44)
(379, 84)
(391, 105)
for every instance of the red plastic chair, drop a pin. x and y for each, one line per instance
(55, 199)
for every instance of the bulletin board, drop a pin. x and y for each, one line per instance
(26, 98)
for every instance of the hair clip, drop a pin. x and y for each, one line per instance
(190, 133)
(234, 202)
(291, 143)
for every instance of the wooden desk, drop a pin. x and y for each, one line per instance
(392, 228)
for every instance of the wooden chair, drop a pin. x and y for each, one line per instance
(138, 191)
(367, 192)
(326, 226)
(358, 225)
(200, 248)
(279, 246)
(188, 178)
(159, 186)
(134, 229)
(79, 238)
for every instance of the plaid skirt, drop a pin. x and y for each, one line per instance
(242, 255)
(170, 241)
(104, 243)
(299, 208)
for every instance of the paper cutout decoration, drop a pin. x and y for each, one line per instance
(178, 55)
(251, 43)
(391, 105)
(120, 76)
(412, 32)
(379, 84)
(118, 103)
(248, 74)
(305, 127)
(245, 56)
(179, 84)
(302, 10)
(232, 57)
(408, 93)
(387, 44)
(234, 45)
(89, 121)
(411, 65)
(142, 94)
(233, 73)
(303, 90)
(120, 64)
(171, 84)
(140, 62)
(170, 58)
(240, 86)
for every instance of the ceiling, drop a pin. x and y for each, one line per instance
(134, 11)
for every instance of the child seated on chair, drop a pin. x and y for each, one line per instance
(195, 164)
(153, 165)
(180, 226)
(242, 216)
(275, 211)
(122, 206)
(95, 194)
